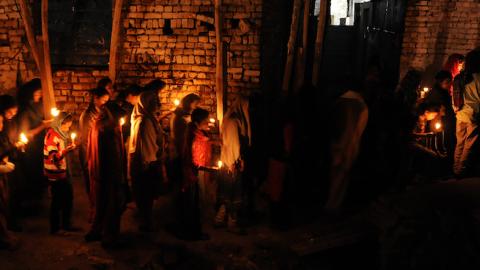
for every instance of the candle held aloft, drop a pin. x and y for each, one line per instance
(23, 138)
(55, 112)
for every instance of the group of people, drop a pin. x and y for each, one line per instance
(126, 154)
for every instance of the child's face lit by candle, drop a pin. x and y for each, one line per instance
(204, 125)
(65, 127)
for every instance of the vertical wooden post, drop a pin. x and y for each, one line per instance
(297, 4)
(47, 81)
(220, 62)
(32, 43)
(302, 50)
(117, 13)
(317, 60)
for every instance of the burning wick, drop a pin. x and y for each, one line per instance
(176, 102)
(23, 138)
(438, 126)
(55, 112)
(212, 120)
(122, 121)
(219, 164)
(73, 136)
(426, 89)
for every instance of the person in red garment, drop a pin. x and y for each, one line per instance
(106, 163)
(197, 153)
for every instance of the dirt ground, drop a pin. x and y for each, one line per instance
(260, 249)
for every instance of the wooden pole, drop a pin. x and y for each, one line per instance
(297, 4)
(220, 62)
(317, 60)
(302, 50)
(48, 94)
(116, 25)
(25, 13)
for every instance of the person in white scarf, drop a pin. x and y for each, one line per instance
(236, 138)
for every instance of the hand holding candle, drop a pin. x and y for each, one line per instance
(55, 112)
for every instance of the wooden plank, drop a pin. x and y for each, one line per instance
(302, 51)
(114, 41)
(220, 61)
(317, 61)
(297, 4)
(32, 43)
(48, 94)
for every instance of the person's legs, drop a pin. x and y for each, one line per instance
(461, 132)
(67, 204)
(470, 154)
(55, 206)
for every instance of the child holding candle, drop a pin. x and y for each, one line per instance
(55, 167)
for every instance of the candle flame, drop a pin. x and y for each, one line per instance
(212, 120)
(55, 112)
(73, 136)
(176, 102)
(23, 138)
(426, 89)
(219, 164)
(438, 125)
(122, 121)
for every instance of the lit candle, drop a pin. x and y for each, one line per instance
(55, 112)
(122, 121)
(23, 138)
(212, 120)
(426, 89)
(219, 164)
(73, 136)
(176, 102)
(438, 126)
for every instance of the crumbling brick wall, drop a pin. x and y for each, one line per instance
(435, 29)
(173, 40)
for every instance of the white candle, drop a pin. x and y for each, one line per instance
(23, 138)
(55, 112)
(73, 136)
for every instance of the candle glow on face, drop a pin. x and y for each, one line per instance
(122, 121)
(176, 102)
(23, 138)
(55, 112)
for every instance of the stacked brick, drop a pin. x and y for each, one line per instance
(173, 40)
(436, 28)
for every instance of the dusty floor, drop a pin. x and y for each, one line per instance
(261, 249)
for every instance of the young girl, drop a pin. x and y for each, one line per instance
(55, 166)
(196, 155)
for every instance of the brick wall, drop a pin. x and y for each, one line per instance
(173, 40)
(436, 28)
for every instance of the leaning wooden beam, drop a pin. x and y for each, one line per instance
(116, 25)
(220, 61)
(317, 60)
(302, 50)
(48, 94)
(297, 4)
(32, 43)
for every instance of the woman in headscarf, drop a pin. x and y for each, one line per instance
(31, 121)
(236, 139)
(55, 165)
(178, 128)
(99, 97)
(145, 156)
(106, 163)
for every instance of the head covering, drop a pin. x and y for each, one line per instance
(57, 124)
(236, 131)
(146, 108)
